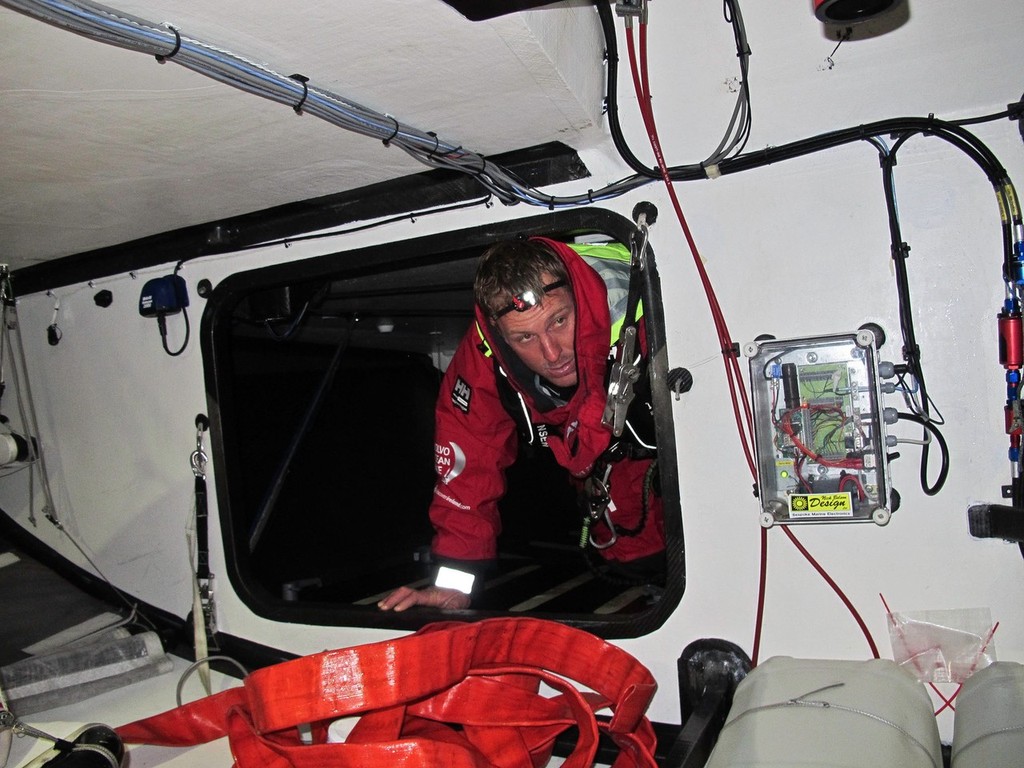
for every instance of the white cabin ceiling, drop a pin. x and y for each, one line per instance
(101, 146)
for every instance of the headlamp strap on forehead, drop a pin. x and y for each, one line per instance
(527, 299)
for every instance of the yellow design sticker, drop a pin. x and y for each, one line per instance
(821, 505)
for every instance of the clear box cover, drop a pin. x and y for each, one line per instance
(818, 430)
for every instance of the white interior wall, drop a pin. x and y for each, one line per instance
(799, 248)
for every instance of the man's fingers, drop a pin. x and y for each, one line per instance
(437, 597)
(399, 600)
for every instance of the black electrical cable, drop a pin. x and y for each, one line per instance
(735, 19)
(771, 155)
(976, 150)
(612, 88)
(905, 127)
(949, 132)
(900, 251)
(940, 481)
(161, 322)
(1013, 112)
(1010, 220)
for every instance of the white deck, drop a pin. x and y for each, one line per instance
(124, 705)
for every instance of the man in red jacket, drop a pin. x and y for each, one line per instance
(534, 367)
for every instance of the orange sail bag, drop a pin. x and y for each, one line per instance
(464, 695)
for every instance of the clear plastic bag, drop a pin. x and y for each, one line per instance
(943, 646)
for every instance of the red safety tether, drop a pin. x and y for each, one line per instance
(464, 695)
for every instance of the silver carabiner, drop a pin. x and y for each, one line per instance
(644, 215)
(602, 509)
(612, 539)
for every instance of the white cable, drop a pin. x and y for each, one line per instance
(123, 30)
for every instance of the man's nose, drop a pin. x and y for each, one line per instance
(551, 348)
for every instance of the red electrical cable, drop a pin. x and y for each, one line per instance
(735, 381)
(786, 425)
(762, 588)
(740, 402)
(861, 493)
(835, 588)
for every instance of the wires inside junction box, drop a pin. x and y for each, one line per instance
(819, 429)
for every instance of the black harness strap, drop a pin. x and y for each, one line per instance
(204, 579)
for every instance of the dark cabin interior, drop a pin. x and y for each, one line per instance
(317, 380)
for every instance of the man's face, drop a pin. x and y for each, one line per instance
(544, 336)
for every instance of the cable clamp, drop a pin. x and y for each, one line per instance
(162, 58)
(305, 91)
(389, 139)
(901, 251)
(630, 9)
(437, 142)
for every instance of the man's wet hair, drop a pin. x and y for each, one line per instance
(512, 269)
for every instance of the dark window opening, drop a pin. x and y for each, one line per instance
(322, 377)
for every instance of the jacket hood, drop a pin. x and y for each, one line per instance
(583, 438)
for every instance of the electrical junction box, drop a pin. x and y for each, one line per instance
(818, 428)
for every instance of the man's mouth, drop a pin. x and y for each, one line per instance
(562, 370)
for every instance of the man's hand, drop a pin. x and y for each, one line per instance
(433, 597)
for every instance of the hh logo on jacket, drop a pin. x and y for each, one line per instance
(461, 394)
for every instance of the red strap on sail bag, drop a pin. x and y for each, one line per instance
(465, 695)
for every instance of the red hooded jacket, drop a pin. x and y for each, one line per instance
(476, 437)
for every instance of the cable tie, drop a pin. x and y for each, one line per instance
(389, 139)
(590, 196)
(177, 47)
(305, 91)
(712, 171)
(430, 155)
